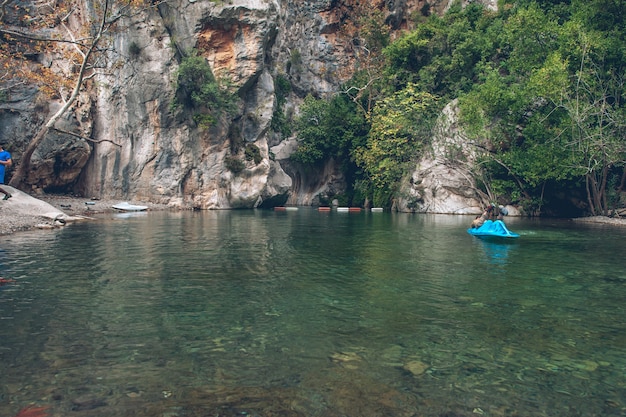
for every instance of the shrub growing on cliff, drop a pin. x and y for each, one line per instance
(279, 123)
(198, 89)
(253, 153)
(234, 164)
(134, 50)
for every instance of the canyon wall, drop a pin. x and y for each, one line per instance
(143, 148)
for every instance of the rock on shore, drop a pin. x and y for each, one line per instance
(23, 212)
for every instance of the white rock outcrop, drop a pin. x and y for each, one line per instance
(442, 181)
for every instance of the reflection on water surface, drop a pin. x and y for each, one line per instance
(303, 313)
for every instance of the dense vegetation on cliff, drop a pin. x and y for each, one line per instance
(541, 93)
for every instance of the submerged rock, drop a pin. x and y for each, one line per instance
(346, 359)
(87, 403)
(416, 368)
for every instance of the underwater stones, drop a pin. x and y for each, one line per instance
(587, 365)
(562, 361)
(346, 359)
(416, 368)
(392, 356)
(87, 403)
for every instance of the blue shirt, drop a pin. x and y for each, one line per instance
(4, 156)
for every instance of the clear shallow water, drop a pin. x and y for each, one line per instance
(266, 313)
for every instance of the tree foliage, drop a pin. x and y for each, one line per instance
(441, 55)
(328, 128)
(551, 110)
(400, 127)
(540, 87)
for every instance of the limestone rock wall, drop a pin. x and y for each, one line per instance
(152, 154)
(144, 149)
(158, 154)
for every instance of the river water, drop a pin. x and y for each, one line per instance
(301, 313)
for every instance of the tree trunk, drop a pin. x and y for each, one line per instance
(20, 175)
(623, 181)
(603, 197)
(596, 193)
(589, 194)
(21, 170)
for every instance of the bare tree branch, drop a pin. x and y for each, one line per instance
(76, 135)
(32, 37)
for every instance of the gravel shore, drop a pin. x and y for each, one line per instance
(26, 212)
(89, 206)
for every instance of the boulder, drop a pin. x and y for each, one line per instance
(442, 180)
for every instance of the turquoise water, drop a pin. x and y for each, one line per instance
(262, 313)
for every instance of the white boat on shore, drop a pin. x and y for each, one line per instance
(125, 206)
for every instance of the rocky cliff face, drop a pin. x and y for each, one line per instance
(142, 148)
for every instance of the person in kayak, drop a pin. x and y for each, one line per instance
(487, 215)
(492, 212)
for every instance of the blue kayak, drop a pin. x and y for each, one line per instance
(491, 228)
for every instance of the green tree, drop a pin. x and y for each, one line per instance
(527, 38)
(597, 128)
(328, 128)
(441, 55)
(551, 111)
(400, 127)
